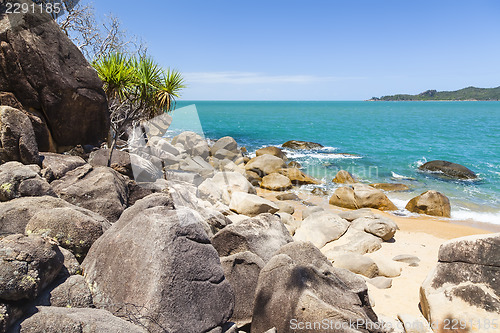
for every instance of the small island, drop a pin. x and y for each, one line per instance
(466, 94)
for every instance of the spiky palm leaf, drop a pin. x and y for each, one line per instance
(117, 75)
(171, 85)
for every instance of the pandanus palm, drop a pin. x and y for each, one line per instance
(137, 89)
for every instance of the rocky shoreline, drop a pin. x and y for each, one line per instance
(213, 235)
(178, 235)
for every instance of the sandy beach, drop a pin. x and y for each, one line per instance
(420, 236)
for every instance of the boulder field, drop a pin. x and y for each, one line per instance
(196, 249)
(173, 236)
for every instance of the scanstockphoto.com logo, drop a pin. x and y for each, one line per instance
(41, 11)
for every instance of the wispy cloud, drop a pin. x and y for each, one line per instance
(256, 78)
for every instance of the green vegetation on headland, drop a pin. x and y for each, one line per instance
(466, 94)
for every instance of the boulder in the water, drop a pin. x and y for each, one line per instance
(449, 169)
(295, 144)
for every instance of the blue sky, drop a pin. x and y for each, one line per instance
(318, 49)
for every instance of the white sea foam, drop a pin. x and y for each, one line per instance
(421, 161)
(397, 176)
(400, 203)
(487, 217)
(320, 154)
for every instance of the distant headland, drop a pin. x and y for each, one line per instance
(466, 94)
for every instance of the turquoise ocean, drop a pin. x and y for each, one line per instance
(375, 141)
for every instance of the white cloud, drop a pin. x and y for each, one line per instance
(255, 78)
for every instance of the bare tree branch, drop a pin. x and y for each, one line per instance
(96, 39)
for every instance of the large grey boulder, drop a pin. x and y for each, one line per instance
(361, 196)
(193, 143)
(51, 319)
(299, 285)
(55, 166)
(17, 138)
(353, 241)
(198, 165)
(166, 146)
(321, 228)
(271, 150)
(227, 143)
(380, 226)
(289, 221)
(357, 263)
(352, 215)
(185, 195)
(265, 164)
(17, 213)
(132, 165)
(42, 134)
(449, 169)
(223, 154)
(27, 266)
(222, 185)
(464, 284)
(18, 180)
(100, 189)
(251, 204)
(242, 271)
(262, 235)
(276, 182)
(430, 203)
(72, 293)
(48, 74)
(157, 265)
(73, 229)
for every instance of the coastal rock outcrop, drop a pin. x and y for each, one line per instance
(131, 165)
(55, 166)
(27, 265)
(72, 293)
(430, 203)
(464, 285)
(296, 144)
(47, 73)
(242, 271)
(357, 263)
(251, 204)
(222, 186)
(17, 213)
(344, 177)
(193, 143)
(382, 227)
(297, 177)
(391, 187)
(265, 164)
(51, 319)
(262, 235)
(227, 143)
(18, 180)
(449, 169)
(100, 189)
(179, 288)
(17, 138)
(276, 182)
(271, 150)
(73, 229)
(320, 228)
(299, 285)
(361, 196)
